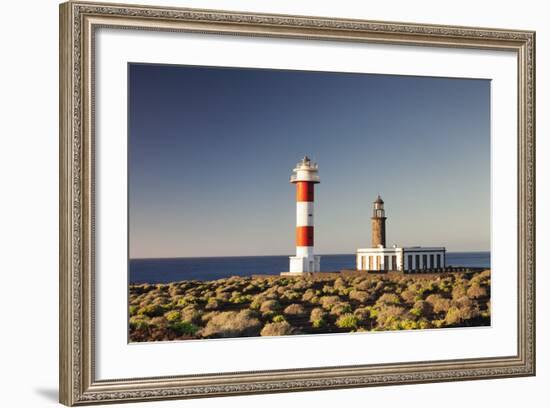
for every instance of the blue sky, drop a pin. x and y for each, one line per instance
(211, 151)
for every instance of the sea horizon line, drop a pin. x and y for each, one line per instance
(265, 256)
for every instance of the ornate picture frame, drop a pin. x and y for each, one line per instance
(78, 24)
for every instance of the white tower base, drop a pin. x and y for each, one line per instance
(300, 265)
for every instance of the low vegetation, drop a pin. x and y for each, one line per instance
(278, 306)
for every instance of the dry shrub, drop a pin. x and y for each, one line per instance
(475, 291)
(363, 284)
(301, 284)
(328, 301)
(316, 314)
(408, 295)
(207, 316)
(250, 288)
(388, 299)
(308, 295)
(318, 317)
(379, 286)
(295, 309)
(359, 295)
(223, 296)
(174, 290)
(159, 322)
(425, 308)
(291, 295)
(462, 302)
(232, 324)
(270, 306)
(207, 294)
(340, 308)
(339, 283)
(277, 329)
(390, 313)
(459, 290)
(467, 307)
(362, 313)
(213, 304)
(461, 312)
(439, 303)
(257, 301)
(191, 314)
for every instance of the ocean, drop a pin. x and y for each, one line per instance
(165, 270)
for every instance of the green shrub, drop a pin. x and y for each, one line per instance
(278, 319)
(240, 299)
(172, 315)
(415, 312)
(139, 322)
(151, 310)
(372, 311)
(347, 321)
(184, 328)
(291, 295)
(453, 316)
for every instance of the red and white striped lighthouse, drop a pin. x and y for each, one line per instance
(305, 176)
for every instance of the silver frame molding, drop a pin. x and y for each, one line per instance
(78, 21)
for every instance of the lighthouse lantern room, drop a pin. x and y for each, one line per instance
(305, 176)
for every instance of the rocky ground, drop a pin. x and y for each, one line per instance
(333, 303)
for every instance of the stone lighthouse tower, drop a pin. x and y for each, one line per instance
(305, 176)
(378, 224)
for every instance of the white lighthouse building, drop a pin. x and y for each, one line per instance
(406, 259)
(305, 176)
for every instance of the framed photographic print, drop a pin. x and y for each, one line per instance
(256, 203)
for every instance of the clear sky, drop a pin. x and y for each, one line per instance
(211, 151)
